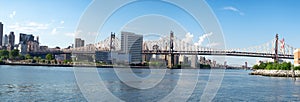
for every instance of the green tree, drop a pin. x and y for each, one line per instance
(37, 59)
(14, 53)
(269, 67)
(21, 57)
(286, 66)
(276, 66)
(66, 61)
(43, 61)
(4, 54)
(297, 68)
(1, 60)
(49, 57)
(262, 66)
(255, 67)
(27, 56)
(1, 52)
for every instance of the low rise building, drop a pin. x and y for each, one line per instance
(44, 49)
(28, 44)
(103, 56)
(33, 46)
(62, 57)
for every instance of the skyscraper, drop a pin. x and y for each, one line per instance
(132, 44)
(5, 40)
(11, 38)
(1, 33)
(79, 43)
(11, 41)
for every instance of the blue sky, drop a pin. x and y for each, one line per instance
(245, 23)
(53, 21)
(253, 22)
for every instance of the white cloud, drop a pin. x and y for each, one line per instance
(73, 34)
(202, 38)
(92, 34)
(28, 27)
(70, 34)
(231, 8)
(38, 26)
(188, 38)
(12, 15)
(213, 44)
(56, 28)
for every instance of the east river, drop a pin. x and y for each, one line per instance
(34, 83)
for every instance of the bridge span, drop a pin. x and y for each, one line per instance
(220, 53)
(171, 45)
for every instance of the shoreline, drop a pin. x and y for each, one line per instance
(60, 65)
(93, 66)
(276, 73)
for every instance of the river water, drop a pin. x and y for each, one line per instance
(28, 84)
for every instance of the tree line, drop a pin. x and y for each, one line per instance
(275, 66)
(15, 55)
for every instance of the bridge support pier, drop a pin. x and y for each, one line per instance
(170, 59)
(276, 49)
(171, 55)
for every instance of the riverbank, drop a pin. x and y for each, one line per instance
(96, 66)
(276, 73)
(102, 66)
(68, 65)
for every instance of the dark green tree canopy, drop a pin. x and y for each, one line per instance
(49, 57)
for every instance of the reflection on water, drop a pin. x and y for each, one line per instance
(22, 83)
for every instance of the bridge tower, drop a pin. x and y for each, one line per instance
(171, 60)
(276, 49)
(112, 41)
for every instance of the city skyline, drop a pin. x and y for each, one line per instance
(244, 23)
(149, 50)
(253, 21)
(44, 19)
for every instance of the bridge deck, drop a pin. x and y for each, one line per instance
(221, 53)
(217, 53)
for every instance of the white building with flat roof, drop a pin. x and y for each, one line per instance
(132, 45)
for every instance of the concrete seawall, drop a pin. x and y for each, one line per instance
(276, 73)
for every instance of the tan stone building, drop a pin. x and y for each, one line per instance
(296, 57)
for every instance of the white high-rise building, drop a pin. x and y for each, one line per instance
(194, 61)
(132, 45)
